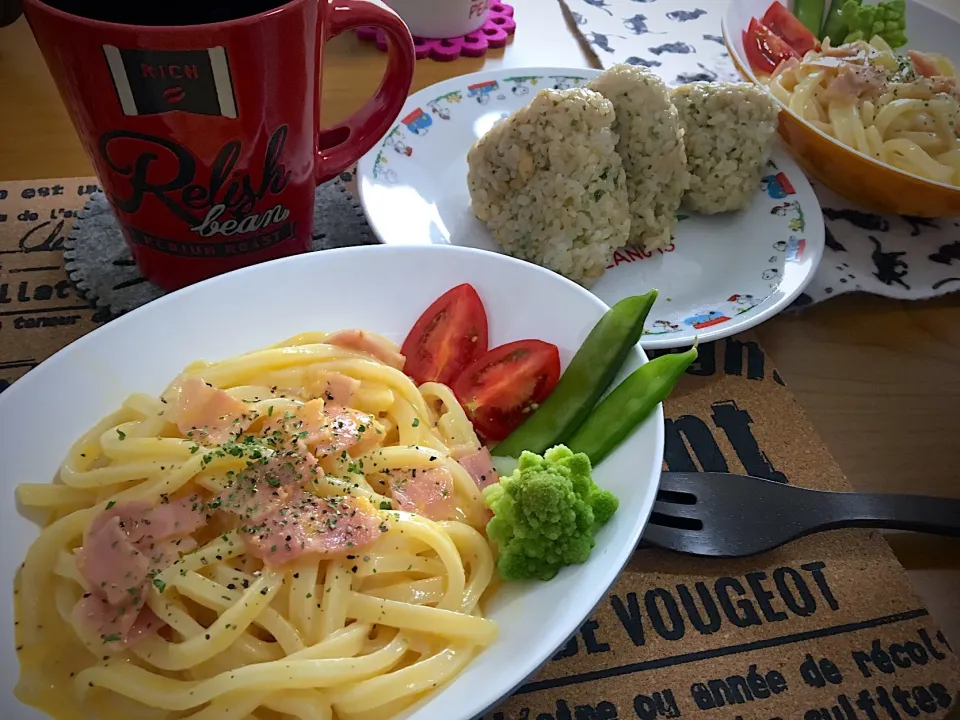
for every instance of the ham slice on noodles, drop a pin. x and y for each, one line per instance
(427, 492)
(479, 465)
(336, 388)
(327, 429)
(310, 525)
(204, 413)
(369, 343)
(124, 547)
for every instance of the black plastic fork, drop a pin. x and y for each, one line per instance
(725, 515)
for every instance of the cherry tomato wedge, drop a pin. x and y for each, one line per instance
(765, 51)
(448, 336)
(785, 25)
(499, 390)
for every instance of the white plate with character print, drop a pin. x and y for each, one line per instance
(721, 274)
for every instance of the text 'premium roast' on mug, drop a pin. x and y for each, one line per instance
(201, 118)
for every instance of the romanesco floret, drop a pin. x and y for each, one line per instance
(546, 514)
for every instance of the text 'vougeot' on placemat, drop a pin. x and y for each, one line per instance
(826, 628)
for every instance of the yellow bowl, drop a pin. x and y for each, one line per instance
(872, 184)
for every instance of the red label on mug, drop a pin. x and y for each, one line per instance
(148, 82)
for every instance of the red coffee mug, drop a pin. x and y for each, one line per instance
(205, 135)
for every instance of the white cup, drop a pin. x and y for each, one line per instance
(441, 18)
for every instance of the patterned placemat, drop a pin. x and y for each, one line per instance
(99, 263)
(901, 257)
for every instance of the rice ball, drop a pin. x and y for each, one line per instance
(549, 184)
(652, 149)
(728, 132)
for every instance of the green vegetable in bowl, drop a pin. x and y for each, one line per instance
(810, 13)
(834, 27)
(852, 20)
(546, 514)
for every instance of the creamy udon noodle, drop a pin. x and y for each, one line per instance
(287, 533)
(900, 110)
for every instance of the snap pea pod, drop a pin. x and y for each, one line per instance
(834, 26)
(593, 368)
(629, 404)
(810, 13)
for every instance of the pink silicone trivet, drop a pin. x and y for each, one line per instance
(500, 25)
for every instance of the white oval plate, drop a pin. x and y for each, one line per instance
(721, 275)
(383, 289)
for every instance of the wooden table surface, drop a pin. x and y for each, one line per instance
(879, 379)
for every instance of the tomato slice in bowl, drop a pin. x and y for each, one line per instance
(448, 336)
(499, 390)
(788, 28)
(765, 51)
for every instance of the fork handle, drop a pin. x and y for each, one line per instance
(917, 513)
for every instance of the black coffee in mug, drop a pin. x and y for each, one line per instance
(164, 12)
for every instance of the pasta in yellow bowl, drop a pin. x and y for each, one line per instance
(879, 128)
